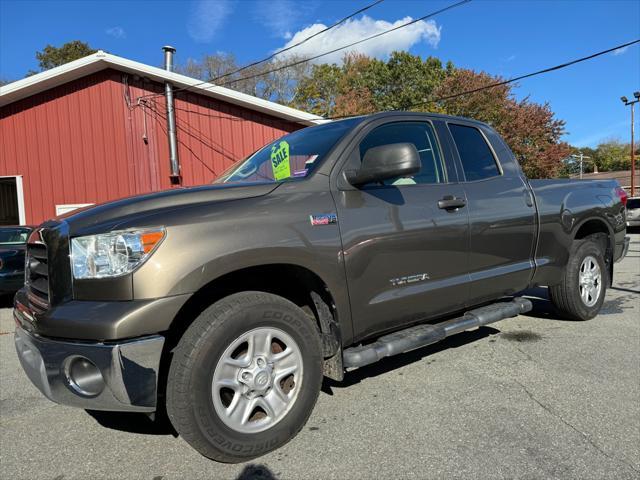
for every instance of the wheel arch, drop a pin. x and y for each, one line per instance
(296, 283)
(596, 226)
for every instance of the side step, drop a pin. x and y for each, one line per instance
(422, 335)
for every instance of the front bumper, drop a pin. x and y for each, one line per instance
(128, 369)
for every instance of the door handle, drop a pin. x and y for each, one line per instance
(449, 202)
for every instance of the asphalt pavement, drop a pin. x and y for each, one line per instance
(529, 397)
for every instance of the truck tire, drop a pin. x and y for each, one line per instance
(244, 377)
(580, 294)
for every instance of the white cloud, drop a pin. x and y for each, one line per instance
(354, 30)
(206, 17)
(116, 32)
(620, 51)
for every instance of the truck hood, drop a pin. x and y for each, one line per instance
(106, 216)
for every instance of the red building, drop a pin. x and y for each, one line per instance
(95, 130)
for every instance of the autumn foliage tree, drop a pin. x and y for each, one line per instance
(530, 129)
(362, 85)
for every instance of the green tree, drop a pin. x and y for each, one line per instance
(613, 155)
(318, 92)
(51, 56)
(362, 84)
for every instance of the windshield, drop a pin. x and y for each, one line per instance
(14, 236)
(292, 157)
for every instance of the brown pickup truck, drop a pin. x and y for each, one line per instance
(335, 246)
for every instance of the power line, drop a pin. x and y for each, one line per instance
(511, 80)
(467, 92)
(371, 37)
(339, 22)
(539, 72)
(257, 62)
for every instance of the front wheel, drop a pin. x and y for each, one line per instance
(245, 376)
(581, 293)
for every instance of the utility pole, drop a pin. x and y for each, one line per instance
(633, 148)
(581, 157)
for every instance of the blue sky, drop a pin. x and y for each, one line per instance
(502, 37)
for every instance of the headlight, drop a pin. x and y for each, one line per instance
(112, 254)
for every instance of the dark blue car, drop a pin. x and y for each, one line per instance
(13, 242)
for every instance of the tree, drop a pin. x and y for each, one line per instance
(278, 86)
(5, 81)
(51, 56)
(530, 129)
(363, 85)
(613, 155)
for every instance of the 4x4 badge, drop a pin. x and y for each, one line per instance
(323, 219)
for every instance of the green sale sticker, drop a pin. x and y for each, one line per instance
(280, 161)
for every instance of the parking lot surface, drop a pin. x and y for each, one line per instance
(529, 397)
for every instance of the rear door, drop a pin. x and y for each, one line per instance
(405, 258)
(501, 214)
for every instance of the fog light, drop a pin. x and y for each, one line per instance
(83, 377)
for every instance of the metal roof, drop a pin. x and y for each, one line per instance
(101, 60)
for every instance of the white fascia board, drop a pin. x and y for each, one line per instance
(101, 60)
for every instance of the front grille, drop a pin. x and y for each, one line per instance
(37, 272)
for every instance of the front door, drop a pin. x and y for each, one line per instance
(405, 255)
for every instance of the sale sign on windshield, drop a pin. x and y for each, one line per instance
(280, 161)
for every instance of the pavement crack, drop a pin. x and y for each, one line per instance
(572, 427)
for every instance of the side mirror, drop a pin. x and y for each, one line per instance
(384, 162)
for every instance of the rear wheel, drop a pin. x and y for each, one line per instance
(244, 377)
(581, 293)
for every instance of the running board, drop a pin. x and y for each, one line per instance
(426, 334)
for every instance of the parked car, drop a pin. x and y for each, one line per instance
(328, 249)
(633, 212)
(13, 243)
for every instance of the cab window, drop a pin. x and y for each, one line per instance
(477, 159)
(422, 135)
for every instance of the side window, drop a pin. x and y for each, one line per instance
(421, 134)
(477, 159)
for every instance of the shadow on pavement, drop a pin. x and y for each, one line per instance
(133, 422)
(391, 363)
(256, 472)
(542, 306)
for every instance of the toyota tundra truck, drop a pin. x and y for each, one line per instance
(327, 250)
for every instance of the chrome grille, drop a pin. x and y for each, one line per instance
(37, 272)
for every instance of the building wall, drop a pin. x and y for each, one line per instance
(91, 141)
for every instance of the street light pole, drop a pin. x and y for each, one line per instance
(633, 152)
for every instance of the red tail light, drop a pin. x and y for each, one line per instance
(622, 195)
